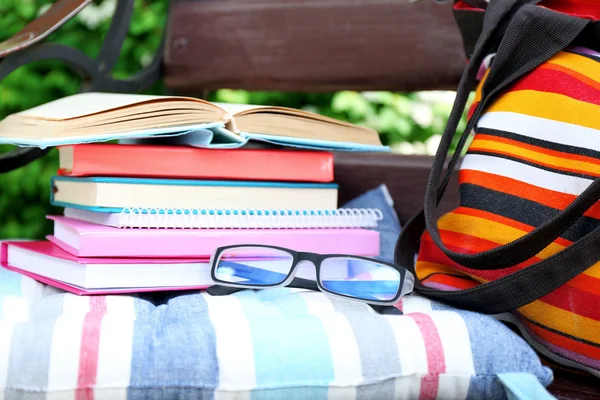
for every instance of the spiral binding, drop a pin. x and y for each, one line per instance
(173, 218)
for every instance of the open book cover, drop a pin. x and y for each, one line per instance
(94, 117)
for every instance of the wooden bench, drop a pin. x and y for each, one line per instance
(298, 45)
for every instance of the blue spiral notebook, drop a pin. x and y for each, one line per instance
(97, 117)
(109, 194)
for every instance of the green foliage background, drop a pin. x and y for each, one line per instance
(401, 118)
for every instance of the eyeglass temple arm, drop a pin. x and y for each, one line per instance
(299, 283)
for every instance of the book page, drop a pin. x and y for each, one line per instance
(85, 104)
(243, 110)
(233, 109)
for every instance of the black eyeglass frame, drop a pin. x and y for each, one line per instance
(298, 257)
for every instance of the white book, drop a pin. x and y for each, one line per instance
(112, 194)
(48, 263)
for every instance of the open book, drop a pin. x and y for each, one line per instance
(90, 117)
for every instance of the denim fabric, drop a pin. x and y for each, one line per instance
(389, 226)
(174, 344)
(489, 354)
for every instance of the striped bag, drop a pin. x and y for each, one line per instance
(524, 242)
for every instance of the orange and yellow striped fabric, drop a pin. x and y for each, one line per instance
(534, 151)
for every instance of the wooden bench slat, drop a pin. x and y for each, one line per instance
(405, 177)
(574, 385)
(312, 45)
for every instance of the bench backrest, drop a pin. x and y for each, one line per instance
(312, 45)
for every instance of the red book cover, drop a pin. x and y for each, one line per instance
(194, 163)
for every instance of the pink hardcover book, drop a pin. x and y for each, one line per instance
(86, 239)
(46, 262)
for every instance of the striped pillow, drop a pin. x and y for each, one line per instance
(269, 344)
(536, 148)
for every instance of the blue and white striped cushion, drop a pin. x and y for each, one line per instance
(277, 343)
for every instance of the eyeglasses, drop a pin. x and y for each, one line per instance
(353, 277)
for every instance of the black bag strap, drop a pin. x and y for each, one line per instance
(534, 36)
(493, 28)
(477, 3)
(496, 21)
(525, 286)
(497, 18)
(470, 23)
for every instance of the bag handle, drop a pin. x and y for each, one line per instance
(482, 4)
(525, 286)
(497, 18)
(495, 24)
(535, 35)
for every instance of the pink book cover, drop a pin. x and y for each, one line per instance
(50, 249)
(85, 292)
(105, 241)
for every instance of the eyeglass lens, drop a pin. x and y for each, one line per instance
(253, 266)
(361, 279)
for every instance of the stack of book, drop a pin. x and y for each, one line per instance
(140, 217)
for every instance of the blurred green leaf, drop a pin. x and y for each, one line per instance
(352, 103)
